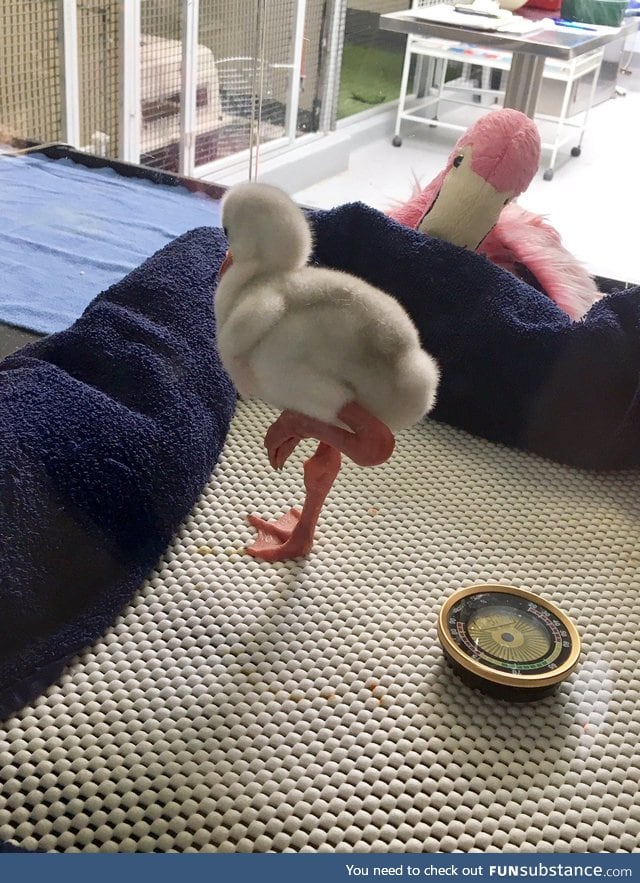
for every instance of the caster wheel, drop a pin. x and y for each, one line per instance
(397, 141)
(548, 175)
(576, 151)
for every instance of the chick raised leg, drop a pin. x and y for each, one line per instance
(368, 442)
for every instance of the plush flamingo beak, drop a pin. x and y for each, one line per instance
(228, 260)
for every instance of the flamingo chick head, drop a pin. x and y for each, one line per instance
(265, 228)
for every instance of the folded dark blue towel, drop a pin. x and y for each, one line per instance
(108, 433)
(515, 368)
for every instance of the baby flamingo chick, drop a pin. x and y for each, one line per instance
(341, 359)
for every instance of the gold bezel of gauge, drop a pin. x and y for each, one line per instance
(503, 678)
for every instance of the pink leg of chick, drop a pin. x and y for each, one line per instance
(368, 444)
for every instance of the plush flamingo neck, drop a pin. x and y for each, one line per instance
(411, 213)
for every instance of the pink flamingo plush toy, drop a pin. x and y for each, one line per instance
(470, 203)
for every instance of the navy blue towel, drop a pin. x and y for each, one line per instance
(515, 368)
(108, 433)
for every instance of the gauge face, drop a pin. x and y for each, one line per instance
(508, 636)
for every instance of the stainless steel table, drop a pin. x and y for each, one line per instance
(529, 50)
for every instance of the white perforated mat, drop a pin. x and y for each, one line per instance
(243, 706)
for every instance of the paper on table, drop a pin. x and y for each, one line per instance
(442, 13)
(518, 24)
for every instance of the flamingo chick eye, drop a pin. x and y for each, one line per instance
(458, 160)
(226, 232)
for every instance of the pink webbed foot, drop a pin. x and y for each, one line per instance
(292, 535)
(280, 540)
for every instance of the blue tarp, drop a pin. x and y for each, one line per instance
(68, 232)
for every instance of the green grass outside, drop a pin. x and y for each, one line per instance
(369, 77)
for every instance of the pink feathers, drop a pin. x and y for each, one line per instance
(523, 238)
(501, 150)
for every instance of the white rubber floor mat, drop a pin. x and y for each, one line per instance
(243, 706)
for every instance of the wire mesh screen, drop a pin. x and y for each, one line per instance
(98, 73)
(253, 88)
(31, 88)
(313, 66)
(160, 82)
(230, 30)
(161, 51)
(259, 74)
(30, 70)
(246, 51)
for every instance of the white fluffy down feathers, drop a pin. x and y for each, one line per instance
(310, 339)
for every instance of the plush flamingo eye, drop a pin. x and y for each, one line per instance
(507, 201)
(458, 160)
(226, 232)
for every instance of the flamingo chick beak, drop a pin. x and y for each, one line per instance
(226, 263)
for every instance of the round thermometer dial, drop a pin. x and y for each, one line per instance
(508, 642)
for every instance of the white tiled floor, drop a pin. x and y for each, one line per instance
(593, 200)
